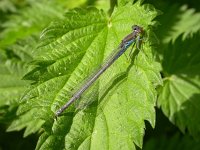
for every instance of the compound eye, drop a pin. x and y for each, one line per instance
(135, 27)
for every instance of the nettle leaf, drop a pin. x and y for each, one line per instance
(179, 98)
(11, 86)
(26, 121)
(13, 66)
(124, 95)
(177, 21)
(103, 4)
(72, 4)
(28, 21)
(6, 6)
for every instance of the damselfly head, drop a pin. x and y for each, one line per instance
(137, 29)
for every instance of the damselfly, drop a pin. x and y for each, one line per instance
(133, 38)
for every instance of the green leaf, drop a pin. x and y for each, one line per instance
(25, 24)
(70, 50)
(71, 3)
(103, 4)
(178, 21)
(26, 120)
(11, 87)
(12, 68)
(6, 6)
(28, 21)
(179, 97)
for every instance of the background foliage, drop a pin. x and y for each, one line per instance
(39, 40)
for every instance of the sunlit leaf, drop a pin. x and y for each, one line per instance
(176, 21)
(69, 52)
(179, 98)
